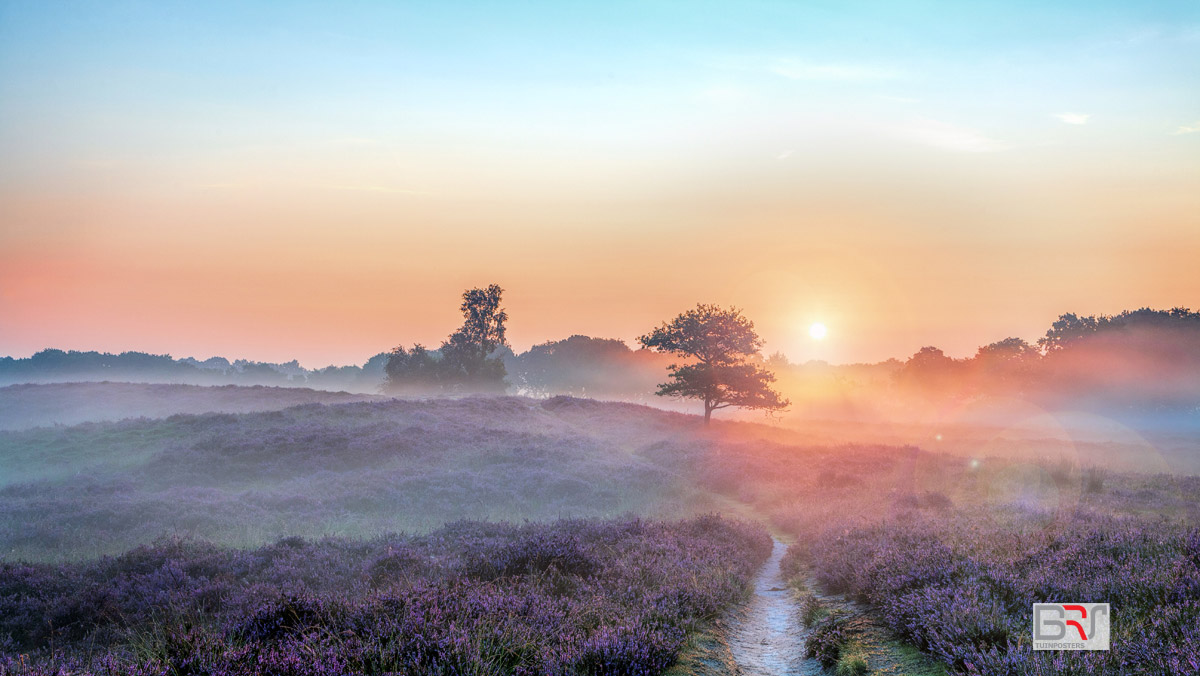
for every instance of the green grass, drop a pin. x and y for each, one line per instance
(851, 664)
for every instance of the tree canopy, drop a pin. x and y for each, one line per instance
(724, 367)
(1071, 329)
(586, 366)
(465, 361)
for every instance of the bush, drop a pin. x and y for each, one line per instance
(827, 639)
(289, 617)
(536, 551)
(811, 609)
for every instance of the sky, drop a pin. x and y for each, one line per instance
(269, 180)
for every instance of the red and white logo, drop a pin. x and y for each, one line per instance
(1070, 626)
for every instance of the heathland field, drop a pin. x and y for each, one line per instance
(39, 405)
(378, 536)
(347, 469)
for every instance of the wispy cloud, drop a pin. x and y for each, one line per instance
(784, 155)
(1073, 118)
(1189, 128)
(796, 69)
(950, 137)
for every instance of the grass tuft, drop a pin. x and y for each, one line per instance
(852, 664)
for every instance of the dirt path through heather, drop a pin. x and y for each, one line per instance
(767, 639)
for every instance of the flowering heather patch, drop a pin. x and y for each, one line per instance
(961, 586)
(570, 597)
(826, 640)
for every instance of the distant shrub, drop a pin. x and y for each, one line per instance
(291, 542)
(1093, 480)
(562, 401)
(936, 500)
(927, 500)
(1063, 474)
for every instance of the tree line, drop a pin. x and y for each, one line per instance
(1144, 357)
(54, 365)
(718, 348)
(1141, 358)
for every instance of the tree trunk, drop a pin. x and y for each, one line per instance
(708, 409)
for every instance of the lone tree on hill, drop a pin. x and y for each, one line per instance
(719, 345)
(468, 350)
(465, 361)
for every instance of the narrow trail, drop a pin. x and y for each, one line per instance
(767, 639)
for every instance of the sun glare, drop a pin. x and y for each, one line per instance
(817, 331)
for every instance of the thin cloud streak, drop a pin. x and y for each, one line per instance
(1073, 118)
(950, 137)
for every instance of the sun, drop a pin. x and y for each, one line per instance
(817, 331)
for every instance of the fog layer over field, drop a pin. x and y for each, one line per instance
(390, 465)
(40, 405)
(364, 468)
(1123, 390)
(347, 469)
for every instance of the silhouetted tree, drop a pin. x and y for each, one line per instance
(1139, 359)
(467, 354)
(586, 366)
(1005, 365)
(721, 346)
(1007, 351)
(465, 361)
(1069, 328)
(413, 370)
(483, 320)
(258, 373)
(928, 359)
(930, 371)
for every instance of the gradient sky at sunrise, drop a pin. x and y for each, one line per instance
(274, 180)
